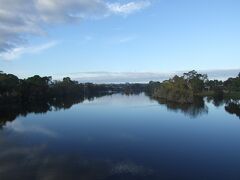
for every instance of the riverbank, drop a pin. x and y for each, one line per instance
(226, 95)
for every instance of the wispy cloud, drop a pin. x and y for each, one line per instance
(18, 51)
(21, 127)
(128, 8)
(21, 18)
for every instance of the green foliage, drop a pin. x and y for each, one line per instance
(180, 88)
(195, 81)
(176, 89)
(152, 86)
(213, 84)
(35, 87)
(66, 87)
(9, 84)
(232, 84)
(134, 88)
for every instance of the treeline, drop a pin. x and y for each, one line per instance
(41, 88)
(180, 89)
(184, 88)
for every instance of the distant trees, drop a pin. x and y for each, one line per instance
(176, 89)
(216, 87)
(195, 81)
(213, 84)
(183, 88)
(232, 84)
(179, 88)
(35, 87)
(9, 84)
(66, 87)
(134, 88)
(152, 86)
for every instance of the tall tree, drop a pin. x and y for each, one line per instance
(195, 80)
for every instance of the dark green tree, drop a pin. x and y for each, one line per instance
(9, 84)
(35, 87)
(195, 81)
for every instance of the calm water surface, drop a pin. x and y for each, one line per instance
(122, 137)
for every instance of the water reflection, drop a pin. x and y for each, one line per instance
(194, 110)
(108, 138)
(217, 101)
(10, 111)
(18, 161)
(233, 107)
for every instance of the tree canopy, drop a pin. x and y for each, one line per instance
(183, 88)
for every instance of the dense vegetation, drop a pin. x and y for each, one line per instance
(180, 89)
(44, 88)
(41, 94)
(183, 89)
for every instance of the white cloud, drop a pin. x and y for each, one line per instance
(20, 18)
(22, 127)
(18, 51)
(131, 7)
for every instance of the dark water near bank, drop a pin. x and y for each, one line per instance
(119, 137)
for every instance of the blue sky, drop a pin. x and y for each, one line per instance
(158, 36)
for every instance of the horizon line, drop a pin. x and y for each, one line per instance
(137, 76)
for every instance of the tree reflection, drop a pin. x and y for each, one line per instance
(217, 101)
(233, 107)
(11, 110)
(192, 110)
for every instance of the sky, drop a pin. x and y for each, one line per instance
(119, 40)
